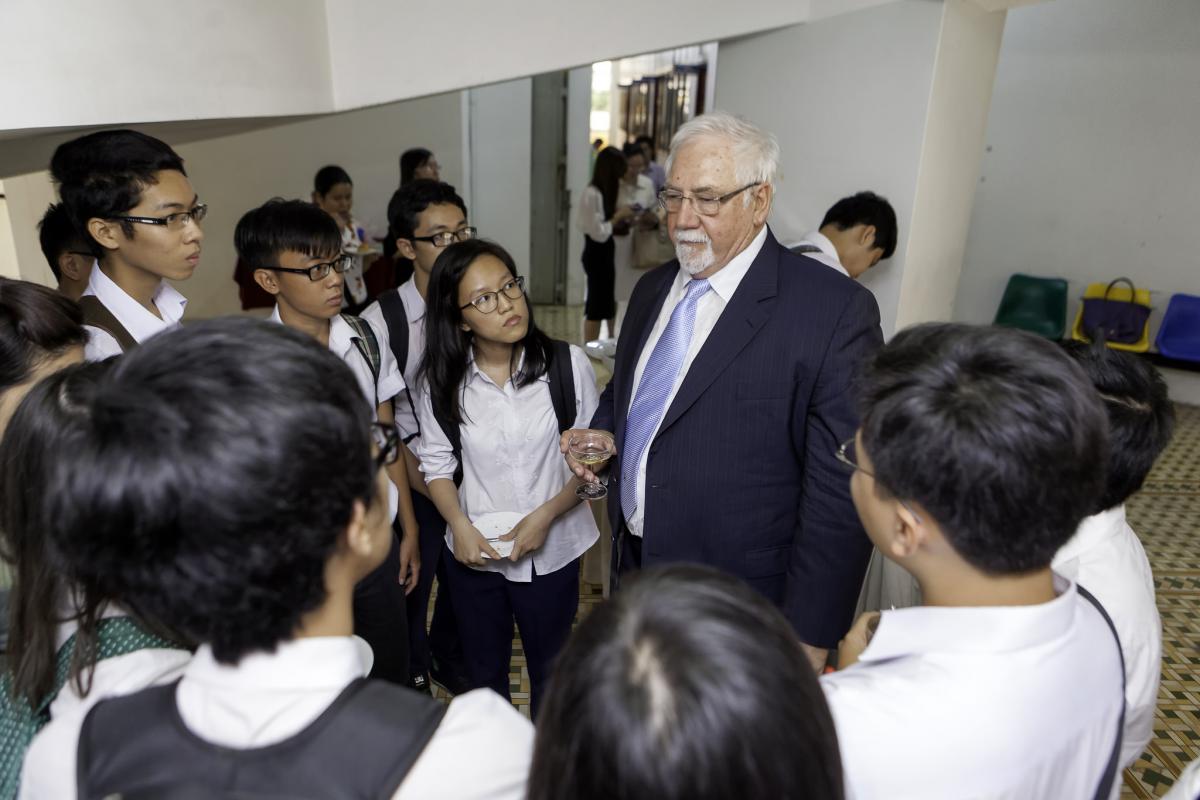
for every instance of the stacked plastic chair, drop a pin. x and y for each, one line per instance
(1179, 335)
(1037, 305)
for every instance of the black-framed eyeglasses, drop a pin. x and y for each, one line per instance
(172, 222)
(846, 453)
(447, 238)
(487, 302)
(706, 206)
(319, 271)
(387, 443)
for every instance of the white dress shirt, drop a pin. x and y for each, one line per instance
(511, 460)
(481, 749)
(591, 218)
(1106, 558)
(724, 283)
(132, 315)
(414, 312)
(828, 254)
(1013, 702)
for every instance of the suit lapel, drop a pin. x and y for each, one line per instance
(742, 318)
(639, 321)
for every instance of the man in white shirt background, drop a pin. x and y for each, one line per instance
(980, 451)
(856, 234)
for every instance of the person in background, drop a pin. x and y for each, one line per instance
(637, 193)
(333, 193)
(1105, 555)
(652, 169)
(68, 254)
(130, 193)
(687, 685)
(600, 217)
(418, 164)
(856, 234)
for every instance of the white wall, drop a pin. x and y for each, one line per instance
(8, 249)
(28, 196)
(579, 162)
(847, 97)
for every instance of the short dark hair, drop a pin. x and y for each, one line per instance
(103, 175)
(35, 323)
(994, 431)
(632, 149)
(411, 199)
(687, 685)
(410, 161)
(866, 208)
(329, 177)
(220, 465)
(1141, 418)
(279, 226)
(57, 234)
(645, 140)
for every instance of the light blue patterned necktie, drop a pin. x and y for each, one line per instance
(658, 378)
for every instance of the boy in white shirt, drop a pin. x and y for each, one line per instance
(129, 194)
(1105, 555)
(295, 251)
(262, 442)
(979, 452)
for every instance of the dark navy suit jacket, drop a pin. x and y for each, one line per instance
(742, 474)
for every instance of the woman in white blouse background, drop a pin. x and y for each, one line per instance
(599, 219)
(485, 372)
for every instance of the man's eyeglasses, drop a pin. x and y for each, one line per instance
(447, 238)
(705, 205)
(487, 302)
(172, 222)
(387, 444)
(319, 271)
(846, 454)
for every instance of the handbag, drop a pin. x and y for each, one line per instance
(1121, 321)
(652, 248)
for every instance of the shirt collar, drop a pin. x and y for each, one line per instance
(140, 323)
(725, 281)
(827, 249)
(341, 335)
(1091, 532)
(474, 372)
(414, 304)
(307, 663)
(972, 630)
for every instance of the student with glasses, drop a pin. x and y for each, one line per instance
(66, 251)
(129, 195)
(425, 217)
(295, 250)
(488, 381)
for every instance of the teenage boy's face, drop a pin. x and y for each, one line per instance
(167, 251)
(509, 321)
(434, 219)
(318, 299)
(337, 202)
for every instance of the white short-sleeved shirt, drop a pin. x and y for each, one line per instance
(1013, 702)
(134, 317)
(1106, 558)
(827, 254)
(414, 312)
(511, 460)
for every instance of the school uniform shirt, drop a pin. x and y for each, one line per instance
(1106, 558)
(1013, 702)
(591, 219)
(140, 323)
(481, 749)
(827, 254)
(50, 759)
(414, 312)
(511, 460)
(1187, 786)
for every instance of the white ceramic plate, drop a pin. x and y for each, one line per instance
(495, 525)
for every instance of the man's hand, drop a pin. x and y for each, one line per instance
(816, 656)
(529, 534)
(470, 544)
(564, 446)
(410, 561)
(857, 639)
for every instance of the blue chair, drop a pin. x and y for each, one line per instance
(1179, 334)
(1037, 305)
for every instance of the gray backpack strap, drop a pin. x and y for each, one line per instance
(1114, 758)
(97, 315)
(366, 343)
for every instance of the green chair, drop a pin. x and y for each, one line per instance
(1037, 305)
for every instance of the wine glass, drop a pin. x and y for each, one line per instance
(592, 449)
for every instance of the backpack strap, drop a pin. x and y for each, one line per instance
(397, 325)
(562, 384)
(1114, 758)
(804, 248)
(97, 315)
(454, 436)
(366, 343)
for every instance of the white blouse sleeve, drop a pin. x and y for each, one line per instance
(587, 396)
(434, 450)
(591, 215)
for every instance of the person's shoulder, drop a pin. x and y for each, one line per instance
(100, 344)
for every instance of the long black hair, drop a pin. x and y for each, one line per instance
(606, 176)
(448, 346)
(35, 323)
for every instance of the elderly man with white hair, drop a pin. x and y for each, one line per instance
(732, 391)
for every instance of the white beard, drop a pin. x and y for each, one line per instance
(691, 260)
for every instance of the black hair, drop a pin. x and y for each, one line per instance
(279, 226)
(57, 234)
(411, 161)
(994, 431)
(1141, 418)
(447, 345)
(645, 140)
(220, 464)
(414, 197)
(103, 174)
(42, 437)
(606, 176)
(686, 685)
(632, 149)
(866, 208)
(329, 177)
(35, 323)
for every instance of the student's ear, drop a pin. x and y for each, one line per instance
(358, 534)
(909, 534)
(866, 237)
(406, 249)
(73, 266)
(316, 199)
(268, 280)
(105, 231)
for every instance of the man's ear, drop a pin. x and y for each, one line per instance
(105, 231)
(74, 266)
(268, 280)
(357, 536)
(316, 199)
(762, 202)
(866, 237)
(909, 534)
(406, 249)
